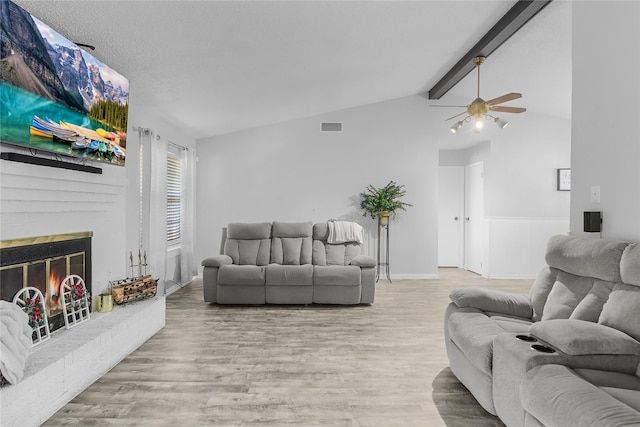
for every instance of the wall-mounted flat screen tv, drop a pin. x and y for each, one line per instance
(55, 96)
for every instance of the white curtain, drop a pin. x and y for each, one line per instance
(155, 186)
(188, 267)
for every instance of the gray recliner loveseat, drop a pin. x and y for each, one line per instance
(288, 263)
(566, 354)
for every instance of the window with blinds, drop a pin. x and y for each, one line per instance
(174, 193)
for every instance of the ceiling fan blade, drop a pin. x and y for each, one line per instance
(504, 98)
(509, 109)
(457, 106)
(464, 112)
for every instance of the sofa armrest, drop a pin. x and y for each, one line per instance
(363, 261)
(217, 261)
(555, 395)
(494, 301)
(579, 337)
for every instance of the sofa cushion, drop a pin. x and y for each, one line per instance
(292, 229)
(584, 256)
(590, 307)
(540, 289)
(493, 300)
(623, 387)
(557, 396)
(568, 290)
(630, 265)
(336, 275)
(249, 231)
(289, 275)
(320, 231)
(241, 275)
(578, 337)
(630, 398)
(473, 332)
(331, 254)
(291, 250)
(511, 324)
(621, 310)
(339, 254)
(248, 252)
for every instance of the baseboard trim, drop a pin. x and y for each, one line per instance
(411, 277)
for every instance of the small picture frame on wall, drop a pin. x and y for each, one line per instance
(564, 179)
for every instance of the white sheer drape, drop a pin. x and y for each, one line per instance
(155, 185)
(188, 267)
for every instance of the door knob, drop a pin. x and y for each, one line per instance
(467, 219)
(456, 218)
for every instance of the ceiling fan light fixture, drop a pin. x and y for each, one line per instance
(479, 123)
(479, 109)
(501, 123)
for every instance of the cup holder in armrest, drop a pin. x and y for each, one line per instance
(542, 348)
(528, 338)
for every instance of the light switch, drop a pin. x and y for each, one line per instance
(595, 194)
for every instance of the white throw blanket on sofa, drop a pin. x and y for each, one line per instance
(344, 231)
(15, 341)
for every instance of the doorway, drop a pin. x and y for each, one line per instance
(474, 217)
(450, 216)
(461, 217)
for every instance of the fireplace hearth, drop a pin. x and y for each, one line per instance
(43, 262)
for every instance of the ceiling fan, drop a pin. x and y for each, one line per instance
(479, 109)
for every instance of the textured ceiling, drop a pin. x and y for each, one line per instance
(216, 67)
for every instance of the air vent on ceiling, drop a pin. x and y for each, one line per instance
(331, 127)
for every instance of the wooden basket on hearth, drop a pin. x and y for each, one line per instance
(134, 289)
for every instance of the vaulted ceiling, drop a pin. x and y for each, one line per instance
(215, 67)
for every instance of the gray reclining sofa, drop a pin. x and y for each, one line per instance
(287, 263)
(566, 354)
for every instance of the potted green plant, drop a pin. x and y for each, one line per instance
(383, 202)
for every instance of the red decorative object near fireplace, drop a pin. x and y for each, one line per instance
(43, 262)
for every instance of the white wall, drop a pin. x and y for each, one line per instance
(520, 166)
(522, 170)
(293, 172)
(522, 207)
(525, 208)
(606, 108)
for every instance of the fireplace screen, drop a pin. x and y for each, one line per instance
(43, 263)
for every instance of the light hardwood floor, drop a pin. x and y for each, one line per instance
(383, 365)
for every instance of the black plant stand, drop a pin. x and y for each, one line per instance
(383, 263)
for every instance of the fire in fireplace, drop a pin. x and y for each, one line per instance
(43, 262)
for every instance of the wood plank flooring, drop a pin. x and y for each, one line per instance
(383, 365)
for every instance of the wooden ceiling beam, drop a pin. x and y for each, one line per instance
(507, 26)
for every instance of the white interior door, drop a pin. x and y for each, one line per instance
(451, 216)
(474, 216)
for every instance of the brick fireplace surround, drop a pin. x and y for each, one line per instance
(60, 368)
(72, 359)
